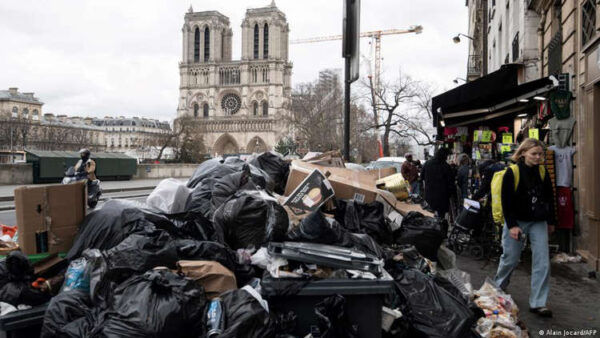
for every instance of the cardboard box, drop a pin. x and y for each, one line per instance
(346, 183)
(381, 173)
(57, 209)
(331, 158)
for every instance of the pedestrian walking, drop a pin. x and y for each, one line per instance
(410, 172)
(528, 210)
(438, 182)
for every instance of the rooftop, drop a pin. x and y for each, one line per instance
(12, 94)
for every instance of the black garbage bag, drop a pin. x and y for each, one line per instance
(333, 320)
(218, 168)
(141, 252)
(251, 218)
(191, 225)
(199, 200)
(108, 226)
(366, 218)
(245, 316)
(431, 310)
(69, 314)
(155, 304)
(317, 228)
(425, 233)
(16, 275)
(227, 186)
(275, 166)
(409, 258)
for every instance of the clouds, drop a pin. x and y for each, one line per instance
(116, 57)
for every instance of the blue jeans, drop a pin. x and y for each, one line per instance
(414, 187)
(537, 232)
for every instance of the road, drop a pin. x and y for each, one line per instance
(8, 217)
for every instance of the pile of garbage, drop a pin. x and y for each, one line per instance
(258, 248)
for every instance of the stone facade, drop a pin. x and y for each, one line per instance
(14, 104)
(478, 31)
(240, 106)
(512, 37)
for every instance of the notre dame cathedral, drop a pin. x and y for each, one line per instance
(240, 105)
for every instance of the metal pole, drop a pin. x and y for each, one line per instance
(347, 110)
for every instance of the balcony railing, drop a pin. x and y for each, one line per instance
(235, 124)
(474, 65)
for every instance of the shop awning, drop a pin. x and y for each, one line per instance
(494, 95)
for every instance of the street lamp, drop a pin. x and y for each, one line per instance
(457, 79)
(456, 39)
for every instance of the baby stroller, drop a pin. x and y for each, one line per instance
(475, 232)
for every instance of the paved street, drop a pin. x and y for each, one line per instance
(574, 298)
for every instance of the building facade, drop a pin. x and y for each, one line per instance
(512, 37)
(478, 32)
(570, 43)
(240, 106)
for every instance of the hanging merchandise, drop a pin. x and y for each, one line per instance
(560, 102)
(563, 160)
(486, 136)
(544, 111)
(462, 131)
(561, 131)
(507, 138)
(565, 208)
(534, 133)
(450, 131)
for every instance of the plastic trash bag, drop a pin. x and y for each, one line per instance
(408, 257)
(16, 275)
(108, 226)
(317, 228)
(251, 218)
(366, 218)
(217, 168)
(77, 276)
(156, 304)
(224, 188)
(245, 316)
(333, 320)
(169, 196)
(425, 233)
(69, 314)
(275, 166)
(431, 310)
(200, 198)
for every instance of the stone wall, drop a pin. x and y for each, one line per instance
(21, 173)
(164, 170)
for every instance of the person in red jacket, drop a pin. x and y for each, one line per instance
(410, 172)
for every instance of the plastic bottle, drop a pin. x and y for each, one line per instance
(215, 317)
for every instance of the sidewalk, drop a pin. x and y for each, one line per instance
(7, 191)
(574, 298)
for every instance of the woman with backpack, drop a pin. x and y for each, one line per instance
(528, 208)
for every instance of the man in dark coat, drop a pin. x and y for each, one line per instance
(439, 182)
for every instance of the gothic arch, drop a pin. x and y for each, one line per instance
(226, 144)
(256, 145)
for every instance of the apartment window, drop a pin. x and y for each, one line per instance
(588, 21)
(515, 47)
(506, 59)
(15, 112)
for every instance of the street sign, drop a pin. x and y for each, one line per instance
(351, 38)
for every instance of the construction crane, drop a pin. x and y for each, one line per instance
(375, 35)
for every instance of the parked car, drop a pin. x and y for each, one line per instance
(386, 162)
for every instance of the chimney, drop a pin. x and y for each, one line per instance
(28, 95)
(13, 90)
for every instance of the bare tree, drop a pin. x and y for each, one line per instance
(415, 123)
(389, 103)
(187, 140)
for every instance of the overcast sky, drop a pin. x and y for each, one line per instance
(115, 57)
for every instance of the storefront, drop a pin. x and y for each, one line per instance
(488, 118)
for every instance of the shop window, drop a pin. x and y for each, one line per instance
(588, 21)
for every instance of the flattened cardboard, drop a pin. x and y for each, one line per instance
(310, 194)
(56, 208)
(347, 184)
(381, 173)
